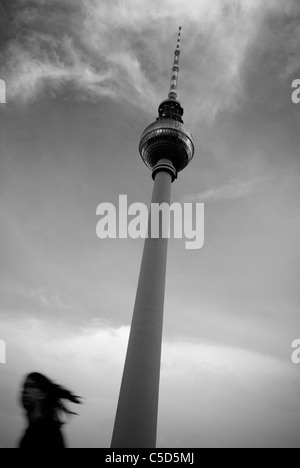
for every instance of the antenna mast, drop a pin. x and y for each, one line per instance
(175, 69)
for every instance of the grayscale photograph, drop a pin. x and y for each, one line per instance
(149, 226)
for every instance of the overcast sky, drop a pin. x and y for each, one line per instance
(84, 78)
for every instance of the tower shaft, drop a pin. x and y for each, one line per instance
(136, 418)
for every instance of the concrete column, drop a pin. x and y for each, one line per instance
(136, 418)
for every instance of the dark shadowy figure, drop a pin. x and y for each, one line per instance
(43, 402)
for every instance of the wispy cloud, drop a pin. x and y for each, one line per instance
(70, 43)
(232, 191)
(118, 49)
(50, 299)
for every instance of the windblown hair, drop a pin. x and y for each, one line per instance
(56, 395)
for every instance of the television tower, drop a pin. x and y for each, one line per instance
(166, 147)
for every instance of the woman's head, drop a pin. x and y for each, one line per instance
(41, 393)
(35, 390)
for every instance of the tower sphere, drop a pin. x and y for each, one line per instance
(167, 138)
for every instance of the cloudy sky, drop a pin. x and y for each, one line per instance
(84, 78)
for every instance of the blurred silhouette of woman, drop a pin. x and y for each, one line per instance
(43, 401)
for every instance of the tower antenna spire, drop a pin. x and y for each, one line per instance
(175, 69)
